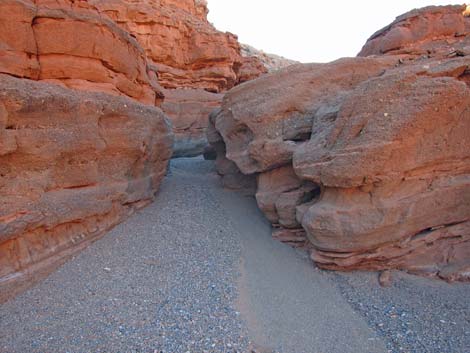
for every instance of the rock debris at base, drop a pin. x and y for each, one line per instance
(161, 282)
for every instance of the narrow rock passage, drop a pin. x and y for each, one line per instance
(166, 280)
(197, 271)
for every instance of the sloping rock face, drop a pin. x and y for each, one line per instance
(189, 56)
(79, 152)
(368, 157)
(435, 31)
(271, 62)
(72, 165)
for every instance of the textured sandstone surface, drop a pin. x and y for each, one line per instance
(72, 165)
(232, 177)
(190, 57)
(367, 157)
(271, 62)
(185, 49)
(72, 45)
(395, 177)
(135, 48)
(75, 164)
(434, 31)
(189, 109)
(263, 121)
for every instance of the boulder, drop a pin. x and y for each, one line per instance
(395, 176)
(72, 165)
(263, 121)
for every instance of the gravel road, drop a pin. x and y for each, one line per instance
(197, 271)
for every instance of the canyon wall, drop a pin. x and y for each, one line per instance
(364, 161)
(83, 138)
(193, 61)
(70, 44)
(79, 149)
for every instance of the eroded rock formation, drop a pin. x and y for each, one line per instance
(72, 165)
(271, 62)
(434, 31)
(367, 157)
(184, 48)
(79, 151)
(72, 45)
(121, 47)
(189, 110)
(194, 62)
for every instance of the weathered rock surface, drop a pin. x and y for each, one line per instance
(395, 176)
(121, 46)
(271, 62)
(371, 158)
(263, 121)
(185, 48)
(72, 165)
(188, 55)
(434, 31)
(232, 177)
(69, 43)
(189, 110)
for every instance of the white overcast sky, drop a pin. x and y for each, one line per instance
(308, 30)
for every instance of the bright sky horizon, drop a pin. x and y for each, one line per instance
(306, 30)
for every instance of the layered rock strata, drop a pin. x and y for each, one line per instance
(72, 165)
(189, 110)
(63, 43)
(79, 151)
(194, 62)
(367, 157)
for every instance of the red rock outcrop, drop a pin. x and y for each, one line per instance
(189, 110)
(395, 175)
(370, 156)
(188, 55)
(72, 165)
(72, 45)
(263, 121)
(185, 49)
(434, 31)
(79, 151)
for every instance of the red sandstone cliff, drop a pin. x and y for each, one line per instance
(79, 151)
(368, 158)
(82, 140)
(193, 61)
